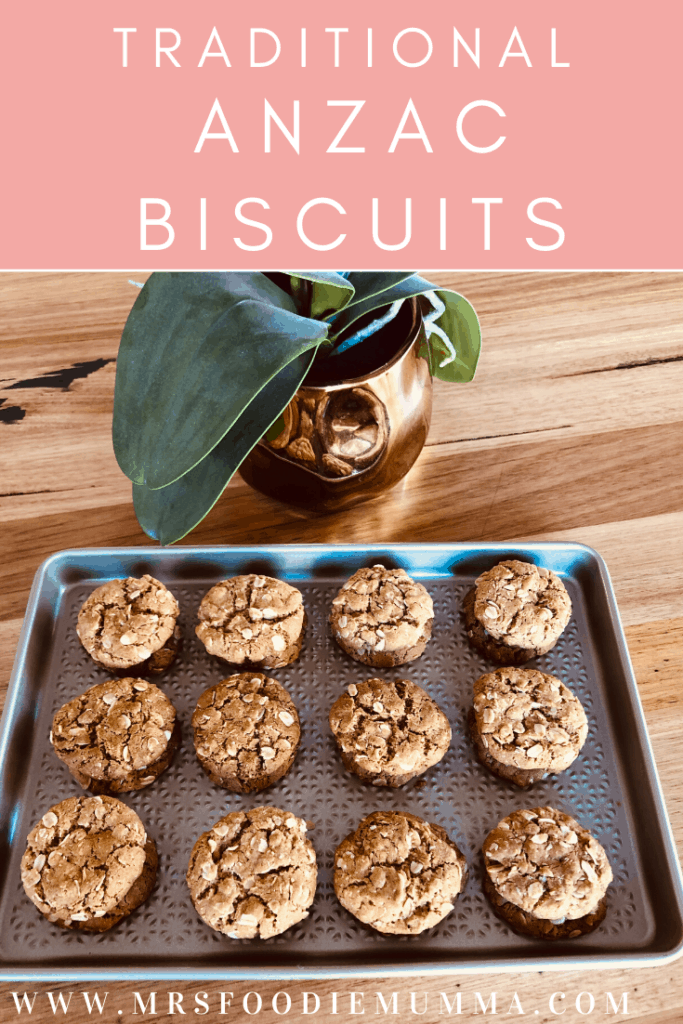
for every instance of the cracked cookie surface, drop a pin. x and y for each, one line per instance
(246, 732)
(398, 873)
(516, 611)
(526, 723)
(118, 736)
(382, 617)
(124, 622)
(253, 874)
(88, 863)
(389, 732)
(546, 864)
(252, 620)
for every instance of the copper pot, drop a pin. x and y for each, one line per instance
(346, 440)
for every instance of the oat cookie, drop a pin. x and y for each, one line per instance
(525, 724)
(254, 620)
(542, 862)
(88, 863)
(124, 622)
(253, 874)
(398, 873)
(246, 732)
(516, 611)
(118, 736)
(382, 617)
(389, 732)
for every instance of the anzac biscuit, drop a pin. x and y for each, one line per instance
(398, 873)
(525, 724)
(253, 874)
(543, 863)
(246, 732)
(389, 732)
(382, 617)
(125, 622)
(516, 611)
(88, 863)
(118, 736)
(253, 620)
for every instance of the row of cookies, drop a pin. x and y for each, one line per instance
(545, 875)
(89, 863)
(524, 725)
(121, 735)
(131, 624)
(380, 617)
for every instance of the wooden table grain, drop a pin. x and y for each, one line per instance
(572, 430)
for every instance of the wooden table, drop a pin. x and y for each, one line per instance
(572, 430)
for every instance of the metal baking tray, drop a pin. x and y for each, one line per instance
(612, 788)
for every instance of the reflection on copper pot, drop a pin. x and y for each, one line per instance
(344, 441)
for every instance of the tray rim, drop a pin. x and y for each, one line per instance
(322, 972)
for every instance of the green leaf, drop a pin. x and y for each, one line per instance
(368, 283)
(461, 325)
(169, 513)
(330, 292)
(410, 285)
(196, 350)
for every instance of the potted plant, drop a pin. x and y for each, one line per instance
(302, 365)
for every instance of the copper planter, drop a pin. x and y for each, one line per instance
(347, 440)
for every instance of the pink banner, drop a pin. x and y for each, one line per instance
(497, 135)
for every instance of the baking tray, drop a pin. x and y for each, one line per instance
(612, 788)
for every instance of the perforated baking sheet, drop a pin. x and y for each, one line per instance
(612, 788)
